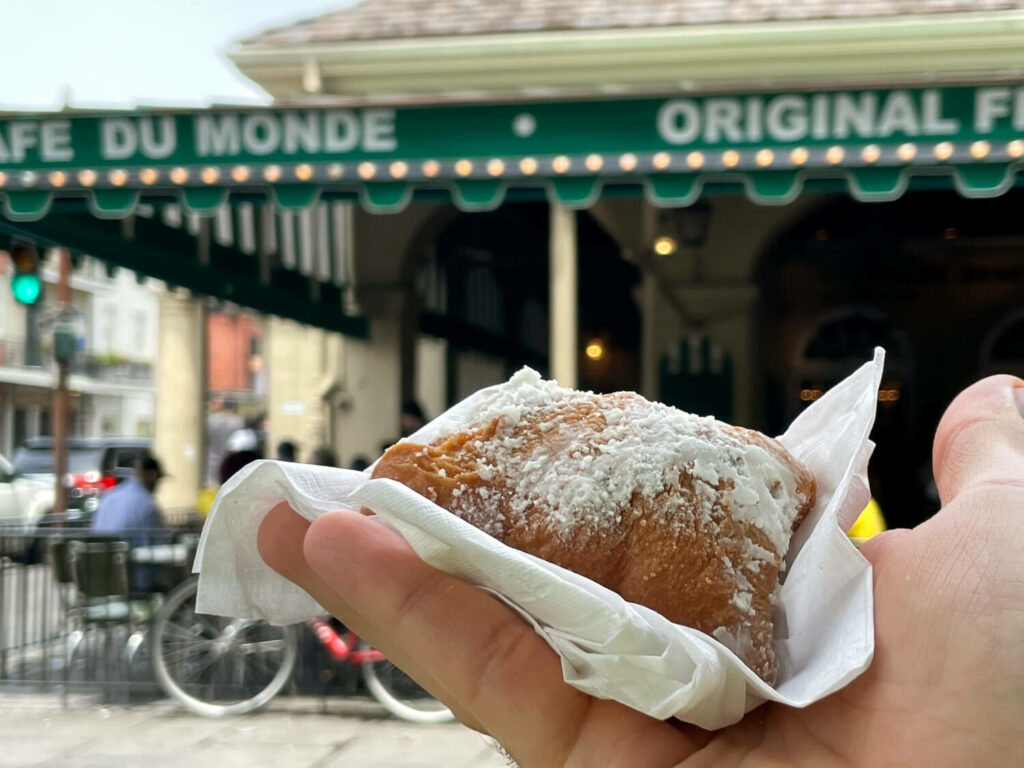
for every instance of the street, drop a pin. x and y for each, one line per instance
(37, 732)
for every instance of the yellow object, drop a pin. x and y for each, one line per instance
(870, 523)
(205, 501)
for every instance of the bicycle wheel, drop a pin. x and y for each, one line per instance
(400, 694)
(216, 666)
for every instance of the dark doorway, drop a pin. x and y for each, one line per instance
(928, 277)
(483, 287)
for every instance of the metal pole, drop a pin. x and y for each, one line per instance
(60, 393)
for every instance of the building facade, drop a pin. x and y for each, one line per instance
(235, 350)
(112, 383)
(723, 205)
(744, 301)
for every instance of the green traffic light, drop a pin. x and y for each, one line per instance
(26, 288)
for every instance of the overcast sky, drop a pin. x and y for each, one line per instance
(126, 53)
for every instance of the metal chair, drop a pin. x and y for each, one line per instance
(99, 570)
(57, 548)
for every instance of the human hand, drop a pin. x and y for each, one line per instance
(946, 687)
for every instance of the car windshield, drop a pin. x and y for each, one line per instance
(39, 461)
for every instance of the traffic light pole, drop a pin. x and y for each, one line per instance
(60, 393)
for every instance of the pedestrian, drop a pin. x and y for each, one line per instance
(129, 510)
(257, 422)
(286, 451)
(412, 418)
(242, 447)
(222, 422)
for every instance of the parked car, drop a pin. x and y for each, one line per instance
(24, 502)
(95, 464)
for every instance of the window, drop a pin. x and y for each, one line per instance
(126, 457)
(141, 331)
(20, 426)
(108, 328)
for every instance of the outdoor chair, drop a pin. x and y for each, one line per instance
(98, 569)
(57, 548)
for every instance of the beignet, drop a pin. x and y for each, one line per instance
(686, 515)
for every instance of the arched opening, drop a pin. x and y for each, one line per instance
(481, 297)
(928, 277)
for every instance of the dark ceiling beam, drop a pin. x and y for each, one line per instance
(171, 255)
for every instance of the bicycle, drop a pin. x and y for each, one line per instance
(216, 666)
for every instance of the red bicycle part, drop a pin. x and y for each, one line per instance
(370, 654)
(339, 647)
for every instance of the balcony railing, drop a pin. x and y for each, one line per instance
(12, 353)
(106, 367)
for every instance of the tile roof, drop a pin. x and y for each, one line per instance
(389, 19)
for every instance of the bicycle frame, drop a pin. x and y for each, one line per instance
(342, 647)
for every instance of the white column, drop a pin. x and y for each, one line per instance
(649, 352)
(32, 427)
(372, 388)
(181, 400)
(299, 372)
(564, 300)
(651, 336)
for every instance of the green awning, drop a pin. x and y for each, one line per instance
(875, 144)
(269, 274)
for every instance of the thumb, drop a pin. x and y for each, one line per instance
(980, 439)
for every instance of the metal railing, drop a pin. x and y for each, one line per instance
(32, 616)
(109, 369)
(67, 616)
(79, 627)
(14, 353)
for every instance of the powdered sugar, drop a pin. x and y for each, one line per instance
(590, 472)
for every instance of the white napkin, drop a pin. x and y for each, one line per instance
(609, 648)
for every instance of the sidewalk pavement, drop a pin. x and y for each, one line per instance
(37, 732)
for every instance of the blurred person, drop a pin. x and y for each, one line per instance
(286, 451)
(257, 423)
(242, 448)
(129, 510)
(221, 423)
(324, 457)
(410, 420)
(244, 439)
(412, 417)
(359, 463)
